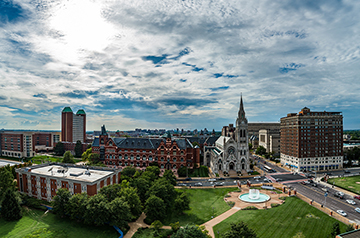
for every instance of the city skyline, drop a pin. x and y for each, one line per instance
(170, 64)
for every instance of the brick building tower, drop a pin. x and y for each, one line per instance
(73, 126)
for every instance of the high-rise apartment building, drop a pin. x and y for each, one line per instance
(73, 126)
(312, 141)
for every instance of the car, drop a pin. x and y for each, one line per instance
(342, 213)
(188, 179)
(181, 184)
(314, 184)
(310, 181)
(212, 180)
(307, 182)
(357, 197)
(198, 184)
(266, 180)
(339, 195)
(325, 189)
(357, 210)
(221, 178)
(219, 183)
(257, 177)
(351, 202)
(303, 182)
(346, 171)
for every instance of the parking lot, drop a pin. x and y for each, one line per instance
(6, 162)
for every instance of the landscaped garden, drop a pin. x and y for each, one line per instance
(204, 203)
(35, 223)
(287, 220)
(349, 183)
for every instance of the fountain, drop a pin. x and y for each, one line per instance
(254, 196)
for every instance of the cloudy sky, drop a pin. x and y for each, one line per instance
(176, 64)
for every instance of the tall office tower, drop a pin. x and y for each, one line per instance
(73, 126)
(311, 141)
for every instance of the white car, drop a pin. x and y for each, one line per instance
(257, 177)
(212, 180)
(357, 210)
(342, 213)
(198, 184)
(351, 202)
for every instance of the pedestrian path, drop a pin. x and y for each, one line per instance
(134, 226)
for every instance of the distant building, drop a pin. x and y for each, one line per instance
(168, 153)
(312, 141)
(23, 144)
(270, 140)
(73, 126)
(43, 181)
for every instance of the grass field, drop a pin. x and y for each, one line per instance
(35, 223)
(286, 220)
(204, 203)
(348, 183)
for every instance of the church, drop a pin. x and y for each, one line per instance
(230, 154)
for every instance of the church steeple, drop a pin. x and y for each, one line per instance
(241, 114)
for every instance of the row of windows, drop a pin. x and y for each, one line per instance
(173, 166)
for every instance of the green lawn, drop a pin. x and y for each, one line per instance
(35, 222)
(204, 203)
(286, 220)
(348, 183)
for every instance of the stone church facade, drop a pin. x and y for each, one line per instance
(230, 153)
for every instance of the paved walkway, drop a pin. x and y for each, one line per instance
(134, 226)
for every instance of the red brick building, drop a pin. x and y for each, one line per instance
(43, 181)
(140, 152)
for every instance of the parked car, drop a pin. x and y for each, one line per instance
(212, 180)
(221, 178)
(303, 182)
(257, 177)
(314, 184)
(346, 171)
(342, 213)
(188, 179)
(351, 202)
(325, 189)
(198, 184)
(339, 195)
(357, 197)
(181, 184)
(310, 181)
(357, 210)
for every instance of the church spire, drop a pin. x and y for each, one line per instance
(241, 113)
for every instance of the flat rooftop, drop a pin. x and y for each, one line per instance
(8, 162)
(70, 172)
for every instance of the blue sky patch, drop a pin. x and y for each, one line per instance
(194, 68)
(11, 12)
(290, 67)
(155, 59)
(40, 95)
(219, 88)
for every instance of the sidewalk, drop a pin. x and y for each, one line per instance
(337, 188)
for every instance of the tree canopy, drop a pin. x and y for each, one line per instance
(68, 158)
(61, 201)
(59, 149)
(155, 208)
(78, 149)
(190, 231)
(10, 207)
(239, 230)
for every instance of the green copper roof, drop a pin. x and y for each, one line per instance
(81, 112)
(67, 109)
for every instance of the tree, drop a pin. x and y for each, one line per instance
(97, 210)
(175, 226)
(163, 189)
(155, 208)
(142, 185)
(169, 175)
(85, 156)
(78, 149)
(157, 226)
(10, 207)
(132, 198)
(260, 150)
(239, 230)
(94, 159)
(68, 158)
(182, 171)
(59, 149)
(153, 169)
(119, 211)
(195, 143)
(250, 146)
(335, 230)
(76, 206)
(111, 191)
(61, 202)
(190, 231)
(181, 202)
(128, 171)
(6, 182)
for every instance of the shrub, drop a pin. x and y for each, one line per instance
(275, 204)
(231, 203)
(250, 208)
(227, 195)
(282, 198)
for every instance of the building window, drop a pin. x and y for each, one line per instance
(137, 157)
(144, 157)
(150, 158)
